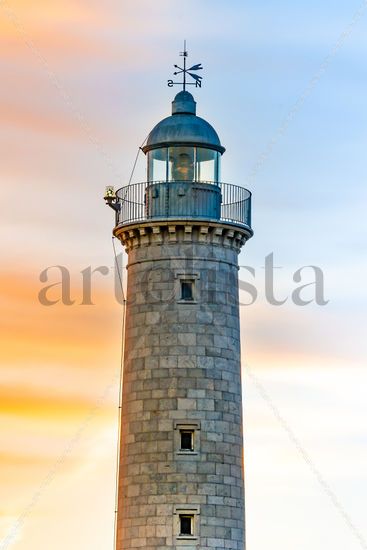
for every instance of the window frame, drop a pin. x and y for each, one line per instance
(182, 277)
(150, 165)
(188, 510)
(187, 425)
(189, 285)
(190, 431)
(165, 152)
(190, 532)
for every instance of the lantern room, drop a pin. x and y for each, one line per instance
(183, 146)
(183, 163)
(183, 158)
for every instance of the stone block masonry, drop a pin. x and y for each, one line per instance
(181, 464)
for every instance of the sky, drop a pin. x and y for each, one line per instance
(82, 84)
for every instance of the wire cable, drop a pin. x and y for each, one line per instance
(120, 276)
(126, 187)
(136, 158)
(123, 322)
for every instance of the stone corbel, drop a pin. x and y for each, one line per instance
(238, 240)
(157, 237)
(134, 238)
(216, 235)
(203, 233)
(172, 233)
(188, 233)
(228, 238)
(144, 236)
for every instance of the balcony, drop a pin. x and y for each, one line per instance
(162, 200)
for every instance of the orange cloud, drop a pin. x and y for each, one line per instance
(19, 16)
(21, 401)
(53, 30)
(19, 116)
(31, 332)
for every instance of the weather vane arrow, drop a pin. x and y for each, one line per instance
(187, 71)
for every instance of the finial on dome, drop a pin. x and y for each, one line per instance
(184, 103)
(184, 71)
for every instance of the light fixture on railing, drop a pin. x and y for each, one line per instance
(111, 199)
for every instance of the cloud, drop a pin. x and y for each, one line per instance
(52, 28)
(21, 401)
(57, 334)
(31, 119)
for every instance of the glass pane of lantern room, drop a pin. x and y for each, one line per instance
(181, 164)
(157, 164)
(207, 164)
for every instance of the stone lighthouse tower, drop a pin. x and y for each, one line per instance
(181, 481)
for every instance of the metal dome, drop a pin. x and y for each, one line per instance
(183, 127)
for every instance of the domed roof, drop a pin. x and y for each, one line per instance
(183, 127)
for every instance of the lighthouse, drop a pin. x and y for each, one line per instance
(180, 478)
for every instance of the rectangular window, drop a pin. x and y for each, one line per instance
(157, 164)
(187, 440)
(186, 524)
(207, 165)
(181, 163)
(187, 290)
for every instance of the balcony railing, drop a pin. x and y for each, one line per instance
(139, 202)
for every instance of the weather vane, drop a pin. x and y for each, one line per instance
(197, 79)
